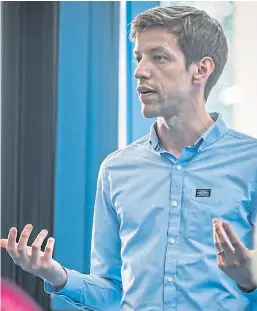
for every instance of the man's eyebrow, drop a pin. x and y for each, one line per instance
(155, 49)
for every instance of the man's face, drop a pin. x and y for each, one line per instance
(161, 68)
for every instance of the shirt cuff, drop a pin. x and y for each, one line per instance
(70, 286)
(251, 296)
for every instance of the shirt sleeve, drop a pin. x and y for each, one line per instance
(253, 219)
(252, 295)
(102, 289)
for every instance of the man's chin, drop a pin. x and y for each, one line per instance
(149, 115)
(149, 112)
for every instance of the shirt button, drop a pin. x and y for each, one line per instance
(170, 279)
(178, 167)
(172, 241)
(174, 203)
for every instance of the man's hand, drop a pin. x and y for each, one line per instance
(233, 257)
(32, 259)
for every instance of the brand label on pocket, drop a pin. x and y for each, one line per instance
(203, 193)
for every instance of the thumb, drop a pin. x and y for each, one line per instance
(3, 243)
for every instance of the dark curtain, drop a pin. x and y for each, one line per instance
(29, 104)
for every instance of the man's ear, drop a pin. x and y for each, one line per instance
(204, 68)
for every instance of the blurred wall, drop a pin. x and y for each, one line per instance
(87, 126)
(245, 67)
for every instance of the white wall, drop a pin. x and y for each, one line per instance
(122, 115)
(245, 66)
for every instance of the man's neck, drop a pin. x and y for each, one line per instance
(182, 130)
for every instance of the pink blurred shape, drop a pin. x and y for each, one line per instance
(13, 298)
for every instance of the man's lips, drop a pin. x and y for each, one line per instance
(145, 92)
(144, 89)
(146, 95)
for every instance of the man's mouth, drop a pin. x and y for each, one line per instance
(145, 92)
(146, 95)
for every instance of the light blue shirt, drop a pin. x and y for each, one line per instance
(152, 242)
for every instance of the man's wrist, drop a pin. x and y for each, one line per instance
(247, 289)
(60, 283)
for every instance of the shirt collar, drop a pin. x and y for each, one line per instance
(214, 133)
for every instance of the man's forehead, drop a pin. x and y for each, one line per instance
(153, 38)
(156, 33)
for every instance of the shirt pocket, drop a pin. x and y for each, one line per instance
(223, 204)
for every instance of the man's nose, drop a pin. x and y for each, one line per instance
(143, 70)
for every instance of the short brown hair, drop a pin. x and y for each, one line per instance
(198, 35)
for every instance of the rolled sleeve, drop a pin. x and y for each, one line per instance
(251, 296)
(88, 292)
(71, 288)
(102, 288)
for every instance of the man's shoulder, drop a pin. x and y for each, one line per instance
(242, 136)
(134, 149)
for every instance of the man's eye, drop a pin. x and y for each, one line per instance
(138, 59)
(160, 58)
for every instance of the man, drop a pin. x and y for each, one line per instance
(166, 204)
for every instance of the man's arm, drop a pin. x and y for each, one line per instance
(102, 289)
(233, 258)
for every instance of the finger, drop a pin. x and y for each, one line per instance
(23, 245)
(48, 254)
(220, 252)
(11, 245)
(221, 255)
(217, 242)
(36, 248)
(224, 243)
(3, 243)
(215, 237)
(240, 249)
(220, 261)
